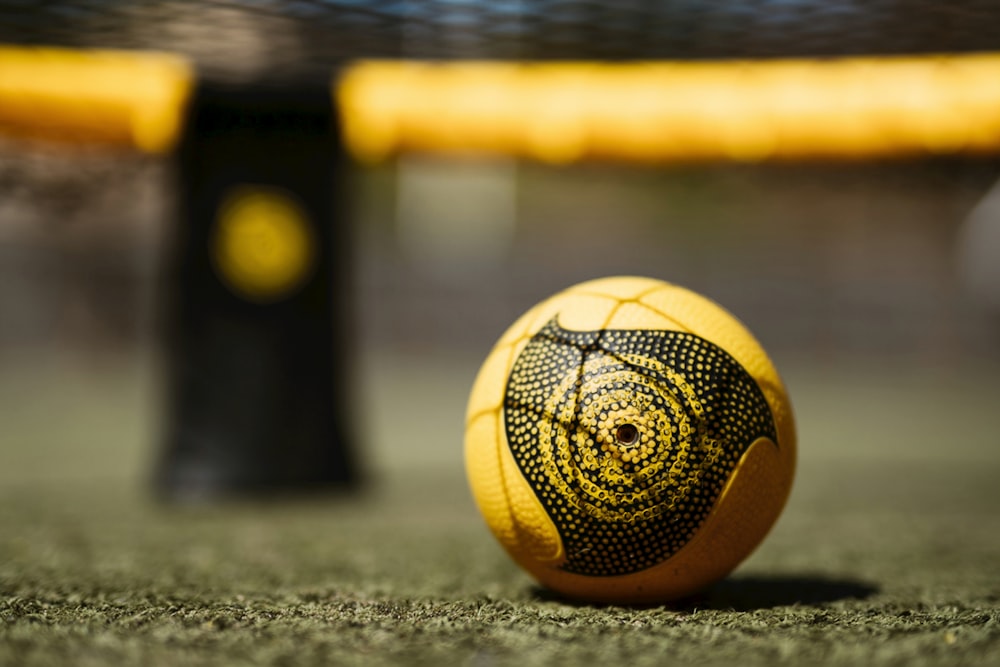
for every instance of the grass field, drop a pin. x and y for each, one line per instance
(888, 553)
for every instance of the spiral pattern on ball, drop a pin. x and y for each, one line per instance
(628, 437)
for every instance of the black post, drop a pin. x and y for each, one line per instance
(257, 323)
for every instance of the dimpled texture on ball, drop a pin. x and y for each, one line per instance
(628, 440)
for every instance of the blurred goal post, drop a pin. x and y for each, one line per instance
(256, 295)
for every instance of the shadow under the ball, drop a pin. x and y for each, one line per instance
(753, 593)
(765, 592)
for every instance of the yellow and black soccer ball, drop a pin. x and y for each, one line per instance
(629, 441)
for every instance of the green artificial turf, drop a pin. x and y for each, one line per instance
(879, 559)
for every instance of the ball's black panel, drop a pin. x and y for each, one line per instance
(628, 437)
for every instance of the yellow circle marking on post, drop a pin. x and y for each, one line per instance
(262, 247)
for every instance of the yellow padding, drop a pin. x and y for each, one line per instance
(657, 112)
(128, 98)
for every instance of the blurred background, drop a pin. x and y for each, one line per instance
(873, 285)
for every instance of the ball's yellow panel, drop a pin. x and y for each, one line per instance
(482, 465)
(620, 288)
(488, 389)
(519, 522)
(576, 311)
(629, 440)
(580, 307)
(635, 315)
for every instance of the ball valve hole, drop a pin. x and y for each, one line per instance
(627, 435)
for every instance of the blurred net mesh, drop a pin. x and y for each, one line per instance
(229, 38)
(825, 259)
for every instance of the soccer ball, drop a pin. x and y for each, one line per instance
(629, 441)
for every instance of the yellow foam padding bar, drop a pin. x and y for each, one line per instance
(133, 99)
(667, 111)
